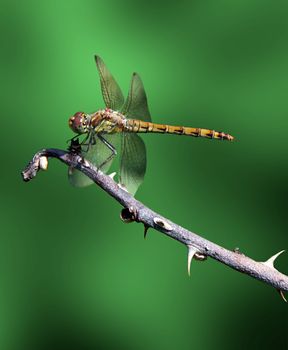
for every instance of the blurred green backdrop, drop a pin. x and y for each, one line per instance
(72, 274)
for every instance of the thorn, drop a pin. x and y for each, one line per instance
(43, 162)
(270, 261)
(191, 252)
(163, 224)
(123, 187)
(85, 163)
(282, 295)
(112, 175)
(145, 230)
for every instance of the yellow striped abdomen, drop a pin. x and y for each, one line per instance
(139, 126)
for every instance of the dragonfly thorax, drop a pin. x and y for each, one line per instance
(107, 121)
(80, 122)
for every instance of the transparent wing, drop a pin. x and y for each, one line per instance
(132, 162)
(111, 92)
(133, 151)
(136, 105)
(96, 154)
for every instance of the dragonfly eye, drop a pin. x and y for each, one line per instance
(78, 123)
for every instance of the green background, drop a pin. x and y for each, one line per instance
(72, 274)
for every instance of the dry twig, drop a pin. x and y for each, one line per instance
(198, 247)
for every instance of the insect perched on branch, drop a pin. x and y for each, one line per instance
(117, 126)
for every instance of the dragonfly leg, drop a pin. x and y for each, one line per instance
(88, 141)
(112, 149)
(73, 139)
(92, 139)
(74, 142)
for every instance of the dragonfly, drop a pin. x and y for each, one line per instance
(116, 127)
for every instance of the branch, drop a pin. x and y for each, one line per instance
(198, 247)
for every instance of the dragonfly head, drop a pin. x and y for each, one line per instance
(79, 122)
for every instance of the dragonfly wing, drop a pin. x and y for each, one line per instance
(111, 92)
(97, 154)
(136, 105)
(133, 151)
(77, 178)
(132, 162)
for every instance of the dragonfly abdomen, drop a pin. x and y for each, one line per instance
(139, 126)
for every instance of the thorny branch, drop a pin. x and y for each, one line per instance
(198, 247)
